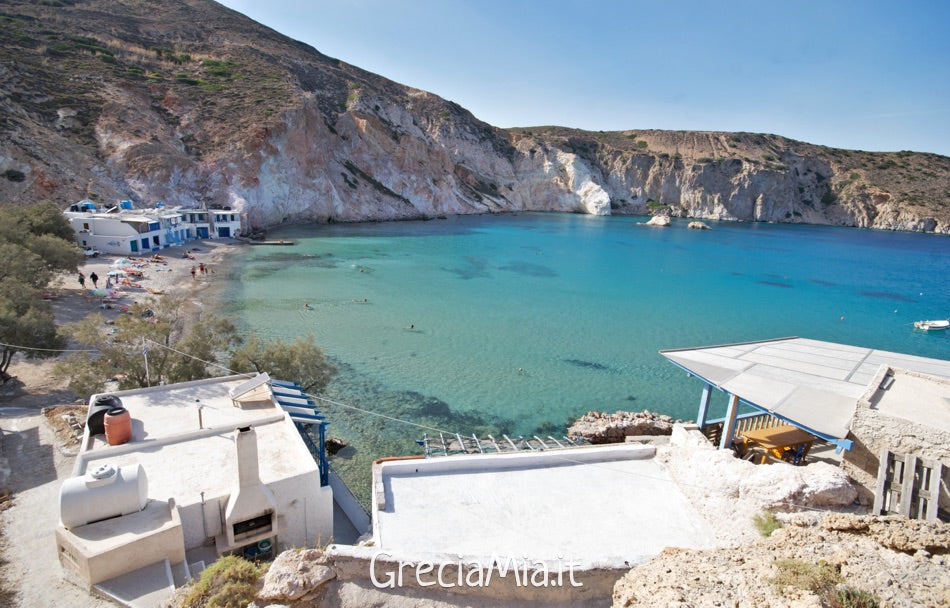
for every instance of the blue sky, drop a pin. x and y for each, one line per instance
(861, 75)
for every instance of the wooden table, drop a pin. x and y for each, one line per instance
(779, 439)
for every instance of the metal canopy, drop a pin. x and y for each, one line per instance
(808, 382)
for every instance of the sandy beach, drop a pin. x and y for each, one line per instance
(32, 460)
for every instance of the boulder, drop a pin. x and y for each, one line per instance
(697, 226)
(658, 220)
(294, 574)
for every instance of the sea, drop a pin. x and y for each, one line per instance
(518, 324)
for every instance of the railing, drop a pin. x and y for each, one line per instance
(744, 422)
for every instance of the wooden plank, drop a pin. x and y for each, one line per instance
(881, 488)
(907, 485)
(933, 503)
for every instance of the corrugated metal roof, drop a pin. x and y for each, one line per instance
(816, 384)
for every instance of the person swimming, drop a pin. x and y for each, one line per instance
(307, 306)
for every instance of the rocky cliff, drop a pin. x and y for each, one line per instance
(186, 101)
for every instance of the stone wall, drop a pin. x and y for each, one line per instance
(872, 430)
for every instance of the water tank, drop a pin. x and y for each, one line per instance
(95, 417)
(103, 492)
(118, 425)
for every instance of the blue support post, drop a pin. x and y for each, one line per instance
(729, 424)
(704, 406)
(324, 465)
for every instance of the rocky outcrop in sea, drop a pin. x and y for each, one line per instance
(601, 427)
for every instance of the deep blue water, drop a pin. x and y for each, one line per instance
(514, 323)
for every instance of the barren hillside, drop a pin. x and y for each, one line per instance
(186, 101)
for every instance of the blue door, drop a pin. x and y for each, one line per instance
(224, 231)
(134, 246)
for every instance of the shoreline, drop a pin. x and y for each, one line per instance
(33, 387)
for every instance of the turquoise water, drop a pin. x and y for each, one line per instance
(519, 323)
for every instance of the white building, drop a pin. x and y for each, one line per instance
(125, 230)
(213, 467)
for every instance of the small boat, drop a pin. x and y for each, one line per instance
(932, 325)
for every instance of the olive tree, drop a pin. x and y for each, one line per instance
(35, 242)
(160, 340)
(301, 361)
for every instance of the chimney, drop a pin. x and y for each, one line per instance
(251, 513)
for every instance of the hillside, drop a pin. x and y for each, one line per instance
(187, 101)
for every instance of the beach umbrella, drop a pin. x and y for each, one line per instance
(99, 292)
(116, 273)
(120, 262)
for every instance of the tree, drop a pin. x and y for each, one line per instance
(26, 320)
(35, 242)
(301, 361)
(182, 344)
(177, 342)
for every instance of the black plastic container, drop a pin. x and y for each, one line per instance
(95, 419)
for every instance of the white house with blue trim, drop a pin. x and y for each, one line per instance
(124, 230)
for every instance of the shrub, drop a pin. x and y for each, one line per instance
(642, 144)
(818, 578)
(769, 157)
(230, 582)
(766, 522)
(704, 159)
(823, 580)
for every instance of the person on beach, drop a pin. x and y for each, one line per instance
(108, 281)
(82, 281)
(202, 268)
(193, 271)
(95, 280)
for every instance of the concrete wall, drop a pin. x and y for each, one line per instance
(872, 430)
(305, 511)
(139, 540)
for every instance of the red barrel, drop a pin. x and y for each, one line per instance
(118, 425)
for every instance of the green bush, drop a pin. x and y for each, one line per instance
(230, 582)
(766, 522)
(823, 580)
(704, 159)
(769, 157)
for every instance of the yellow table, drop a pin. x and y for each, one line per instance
(779, 439)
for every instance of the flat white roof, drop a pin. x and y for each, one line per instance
(598, 506)
(182, 460)
(917, 398)
(813, 383)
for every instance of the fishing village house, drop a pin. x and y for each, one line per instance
(124, 230)
(169, 478)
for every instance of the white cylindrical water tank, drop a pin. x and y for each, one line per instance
(103, 492)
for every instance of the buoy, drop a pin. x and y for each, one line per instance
(842, 318)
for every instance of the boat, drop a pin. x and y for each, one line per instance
(932, 325)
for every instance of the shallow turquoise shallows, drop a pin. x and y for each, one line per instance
(518, 323)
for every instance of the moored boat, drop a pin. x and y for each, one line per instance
(932, 325)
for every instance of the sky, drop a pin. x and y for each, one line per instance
(864, 75)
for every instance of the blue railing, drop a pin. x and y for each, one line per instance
(303, 411)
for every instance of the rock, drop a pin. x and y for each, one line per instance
(294, 574)
(658, 220)
(598, 427)
(697, 226)
(742, 576)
